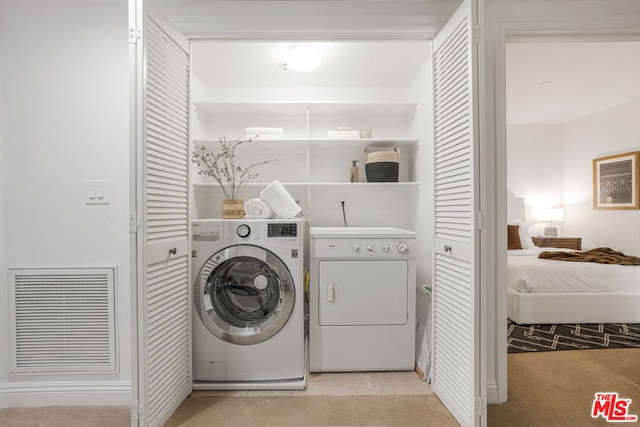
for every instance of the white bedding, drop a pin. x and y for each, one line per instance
(528, 273)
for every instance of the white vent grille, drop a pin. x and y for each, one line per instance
(62, 320)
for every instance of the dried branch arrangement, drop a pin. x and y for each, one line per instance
(221, 165)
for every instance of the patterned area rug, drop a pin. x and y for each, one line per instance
(525, 338)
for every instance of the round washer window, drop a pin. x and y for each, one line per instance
(244, 294)
(244, 291)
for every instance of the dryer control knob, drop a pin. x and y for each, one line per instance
(355, 247)
(403, 248)
(386, 248)
(243, 230)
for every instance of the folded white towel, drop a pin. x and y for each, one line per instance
(258, 208)
(259, 136)
(345, 134)
(264, 131)
(283, 205)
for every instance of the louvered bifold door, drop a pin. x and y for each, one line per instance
(455, 284)
(164, 365)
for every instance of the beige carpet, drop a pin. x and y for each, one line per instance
(557, 388)
(66, 416)
(545, 389)
(424, 410)
(411, 410)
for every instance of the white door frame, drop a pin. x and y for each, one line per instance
(518, 30)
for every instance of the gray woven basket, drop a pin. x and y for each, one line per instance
(382, 166)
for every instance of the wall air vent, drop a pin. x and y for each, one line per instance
(62, 320)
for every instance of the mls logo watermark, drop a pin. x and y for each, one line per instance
(612, 408)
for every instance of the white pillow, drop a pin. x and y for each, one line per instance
(525, 237)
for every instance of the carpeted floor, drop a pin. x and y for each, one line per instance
(548, 389)
(411, 410)
(229, 411)
(557, 388)
(66, 416)
(538, 338)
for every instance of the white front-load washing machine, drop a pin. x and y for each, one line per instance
(248, 295)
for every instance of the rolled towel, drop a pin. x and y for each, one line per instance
(258, 208)
(283, 205)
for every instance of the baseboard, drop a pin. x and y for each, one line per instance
(492, 392)
(34, 394)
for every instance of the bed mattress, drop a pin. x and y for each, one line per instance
(528, 273)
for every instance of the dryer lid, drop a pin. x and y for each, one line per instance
(360, 233)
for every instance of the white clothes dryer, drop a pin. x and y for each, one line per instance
(248, 295)
(362, 299)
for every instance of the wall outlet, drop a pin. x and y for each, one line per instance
(341, 198)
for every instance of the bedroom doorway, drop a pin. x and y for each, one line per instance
(552, 98)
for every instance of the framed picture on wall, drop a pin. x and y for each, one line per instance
(615, 181)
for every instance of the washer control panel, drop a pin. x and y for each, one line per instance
(206, 231)
(282, 232)
(242, 232)
(357, 248)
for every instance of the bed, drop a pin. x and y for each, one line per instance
(544, 291)
(550, 291)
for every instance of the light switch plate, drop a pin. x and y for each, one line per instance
(97, 191)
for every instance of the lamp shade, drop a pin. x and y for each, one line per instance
(549, 215)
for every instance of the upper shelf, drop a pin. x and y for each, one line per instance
(324, 142)
(328, 109)
(213, 186)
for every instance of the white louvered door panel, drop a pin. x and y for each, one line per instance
(164, 373)
(456, 377)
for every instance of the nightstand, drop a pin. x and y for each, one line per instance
(558, 242)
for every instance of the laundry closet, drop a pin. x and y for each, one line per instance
(368, 94)
(314, 127)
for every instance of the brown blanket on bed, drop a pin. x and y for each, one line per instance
(599, 255)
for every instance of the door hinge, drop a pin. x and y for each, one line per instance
(476, 34)
(478, 221)
(134, 35)
(478, 405)
(134, 223)
(136, 410)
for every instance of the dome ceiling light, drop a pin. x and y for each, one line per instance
(302, 58)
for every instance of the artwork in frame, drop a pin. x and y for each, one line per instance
(615, 181)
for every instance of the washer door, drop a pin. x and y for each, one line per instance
(244, 294)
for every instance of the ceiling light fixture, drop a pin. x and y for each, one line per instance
(302, 58)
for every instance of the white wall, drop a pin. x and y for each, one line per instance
(609, 132)
(534, 167)
(551, 166)
(4, 308)
(65, 118)
(421, 90)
